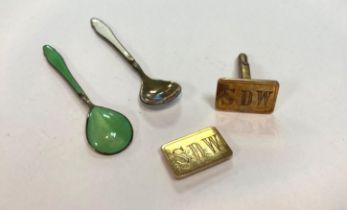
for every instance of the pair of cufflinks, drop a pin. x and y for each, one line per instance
(207, 147)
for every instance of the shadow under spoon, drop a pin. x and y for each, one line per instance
(108, 131)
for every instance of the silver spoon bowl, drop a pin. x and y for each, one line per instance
(158, 91)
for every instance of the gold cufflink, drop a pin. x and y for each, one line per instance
(246, 94)
(195, 152)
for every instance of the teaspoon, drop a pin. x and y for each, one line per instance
(152, 92)
(108, 131)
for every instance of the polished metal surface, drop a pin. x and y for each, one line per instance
(246, 94)
(195, 152)
(152, 91)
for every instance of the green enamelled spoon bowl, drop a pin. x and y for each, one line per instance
(108, 132)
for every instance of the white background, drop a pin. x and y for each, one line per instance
(295, 158)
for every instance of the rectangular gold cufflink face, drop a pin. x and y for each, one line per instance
(242, 95)
(246, 94)
(197, 151)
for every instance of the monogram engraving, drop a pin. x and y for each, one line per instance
(196, 151)
(247, 96)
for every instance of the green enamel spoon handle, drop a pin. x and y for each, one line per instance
(105, 32)
(58, 63)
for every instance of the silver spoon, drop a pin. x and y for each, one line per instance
(152, 91)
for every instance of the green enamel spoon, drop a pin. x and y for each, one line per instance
(153, 91)
(108, 132)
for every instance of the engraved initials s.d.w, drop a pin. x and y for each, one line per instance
(180, 155)
(213, 143)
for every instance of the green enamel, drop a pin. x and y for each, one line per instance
(58, 63)
(108, 131)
